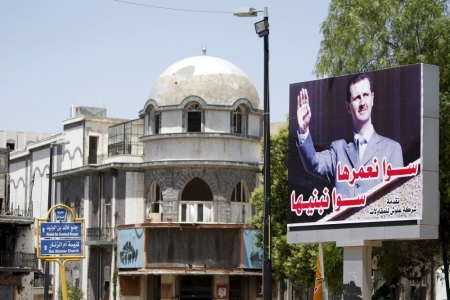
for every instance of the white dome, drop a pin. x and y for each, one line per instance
(215, 80)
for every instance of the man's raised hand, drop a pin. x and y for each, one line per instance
(303, 111)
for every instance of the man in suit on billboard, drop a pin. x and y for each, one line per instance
(366, 148)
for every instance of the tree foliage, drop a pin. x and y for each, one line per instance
(291, 261)
(73, 292)
(361, 36)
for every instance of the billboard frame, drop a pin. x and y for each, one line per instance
(358, 233)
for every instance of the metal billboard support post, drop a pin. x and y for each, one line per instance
(357, 270)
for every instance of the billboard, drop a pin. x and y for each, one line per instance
(253, 254)
(356, 149)
(130, 248)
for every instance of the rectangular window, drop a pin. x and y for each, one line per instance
(157, 123)
(237, 123)
(196, 212)
(194, 121)
(93, 140)
(200, 212)
(183, 212)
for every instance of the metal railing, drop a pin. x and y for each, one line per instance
(132, 148)
(124, 138)
(17, 210)
(99, 234)
(39, 282)
(11, 259)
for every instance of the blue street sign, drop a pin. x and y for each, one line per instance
(60, 214)
(61, 230)
(61, 247)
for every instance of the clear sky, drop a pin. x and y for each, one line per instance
(106, 53)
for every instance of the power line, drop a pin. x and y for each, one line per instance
(171, 8)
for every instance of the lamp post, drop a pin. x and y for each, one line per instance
(262, 29)
(49, 205)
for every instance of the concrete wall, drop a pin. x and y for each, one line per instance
(20, 139)
(254, 125)
(134, 208)
(74, 152)
(171, 121)
(217, 121)
(203, 148)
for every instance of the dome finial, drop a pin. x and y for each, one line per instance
(204, 50)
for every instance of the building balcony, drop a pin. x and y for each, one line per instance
(180, 248)
(11, 261)
(16, 214)
(99, 236)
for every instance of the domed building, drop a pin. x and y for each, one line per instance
(202, 127)
(165, 197)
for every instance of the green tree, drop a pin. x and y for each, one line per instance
(291, 261)
(73, 292)
(360, 36)
(363, 35)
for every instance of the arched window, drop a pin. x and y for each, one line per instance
(154, 202)
(194, 118)
(241, 210)
(152, 121)
(157, 123)
(196, 202)
(77, 208)
(238, 121)
(240, 192)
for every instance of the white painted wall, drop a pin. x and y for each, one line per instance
(254, 125)
(171, 121)
(18, 182)
(21, 139)
(217, 121)
(134, 198)
(73, 158)
(222, 149)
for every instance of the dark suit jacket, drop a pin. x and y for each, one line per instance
(323, 164)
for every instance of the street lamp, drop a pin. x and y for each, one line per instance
(262, 29)
(49, 205)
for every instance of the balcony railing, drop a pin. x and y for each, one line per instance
(16, 210)
(11, 259)
(124, 138)
(131, 148)
(99, 234)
